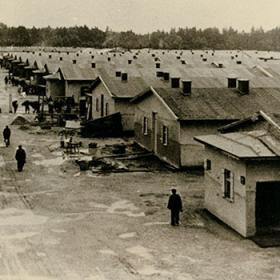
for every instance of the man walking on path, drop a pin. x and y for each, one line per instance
(6, 135)
(175, 206)
(15, 105)
(20, 157)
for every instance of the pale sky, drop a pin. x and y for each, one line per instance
(142, 15)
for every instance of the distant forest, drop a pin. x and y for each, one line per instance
(180, 38)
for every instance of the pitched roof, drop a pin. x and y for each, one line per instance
(244, 145)
(73, 72)
(219, 103)
(123, 89)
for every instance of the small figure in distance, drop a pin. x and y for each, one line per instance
(15, 105)
(175, 206)
(20, 157)
(6, 135)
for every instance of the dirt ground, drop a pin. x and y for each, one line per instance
(57, 222)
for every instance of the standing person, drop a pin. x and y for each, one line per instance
(175, 206)
(20, 157)
(15, 105)
(6, 135)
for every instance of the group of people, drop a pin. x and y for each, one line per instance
(20, 155)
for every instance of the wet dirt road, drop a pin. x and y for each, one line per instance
(59, 223)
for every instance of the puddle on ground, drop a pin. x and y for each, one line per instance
(149, 270)
(50, 162)
(19, 235)
(25, 276)
(156, 223)
(14, 217)
(41, 254)
(126, 208)
(140, 251)
(122, 207)
(108, 252)
(2, 162)
(127, 235)
(37, 155)
(58, 230)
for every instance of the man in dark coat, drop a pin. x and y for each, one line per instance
(20, 157)
(175, 206)
(6, 135)
(15, 105)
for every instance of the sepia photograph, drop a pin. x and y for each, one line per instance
(140, 140)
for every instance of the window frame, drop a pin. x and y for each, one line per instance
(145, 125)
(165, 132)
(228, 185)
(97, 105)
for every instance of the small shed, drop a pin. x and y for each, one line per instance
(242, 179)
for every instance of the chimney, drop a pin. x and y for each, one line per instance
(129, 61)
(61, 58)
(183, 61)
(204, 59)
(92, 57)
(50, 56)
(74, 61)
(157, 65)
(124, 77)
(77, 54)
(67, 53)
(109, 58)
(238, 62)
(114, 55)
(40, 54)
(93, 65)
(175, 82)
(232, 82)
(159, 74)
(243, 86)
(166, 76)
(178, 57)
(187, 87)
(118, 73)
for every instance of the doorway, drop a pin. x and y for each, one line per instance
(267, 205)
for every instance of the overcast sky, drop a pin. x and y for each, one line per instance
(142, 15)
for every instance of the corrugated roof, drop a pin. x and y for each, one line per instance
(248, 145)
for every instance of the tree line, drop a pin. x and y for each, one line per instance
(180, 38)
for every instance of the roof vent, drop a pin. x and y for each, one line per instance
(238, 62)
(232, 82)
(175, 82)
(157, 65)
(92, 57)
(61, 58)
(187, 87)
(40, 54)
(178, 57)
(93, 65)
(68, 53)
(159, 74)
(118, 73)
(204, 59)
(243, 86)
(129, 61)
(77, 54)
(183, 61)
(153, 55)
(50, 56)
(109, 58)
(74, 61)
(166, 76)
(124, 77)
